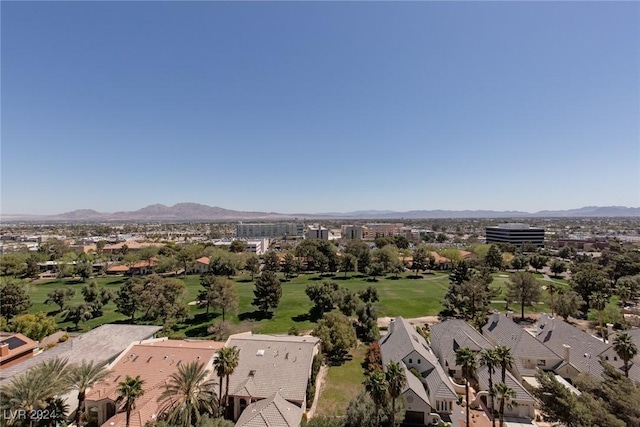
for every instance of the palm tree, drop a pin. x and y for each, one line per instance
(396, 380)
(625, 347)
(466, 359)
(219, 365)
(376, 385)
(36, 388)
(230, 358)
(505, 359)
(58, 409)
(599, 301)
(85, 376)
(130, 390)
(505, 394)
(187, 395)
(489, 358)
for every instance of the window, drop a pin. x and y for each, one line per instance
(418, 361)
(410, 360)
(542, 362)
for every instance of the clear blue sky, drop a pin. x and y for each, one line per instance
(316, 107)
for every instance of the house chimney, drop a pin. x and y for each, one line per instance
(4, 350)
(510, 314)
(567, 352)
(609, 332)
(392, 325)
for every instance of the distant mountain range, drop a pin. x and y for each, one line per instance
(198, 212)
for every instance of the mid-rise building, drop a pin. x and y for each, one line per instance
(270, 230)
(515, 233)
(353, 232)
(317, 232)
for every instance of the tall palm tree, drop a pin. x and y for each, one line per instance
(625, 347)
(489, 358)
(230, 359)
(599, 302)
(219, 365)
(376, 385)
(505, 358)
(396, 380)
(505, 395)
(187, 395)
(130, 390)
(466, 359)
(82, 377)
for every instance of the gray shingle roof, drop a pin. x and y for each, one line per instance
(101, 344)
(271, 412)
(522, 395)
(449, 335)
(401, 341)
(505, 332)
(270, 364)
(585, 349)
(414, 384)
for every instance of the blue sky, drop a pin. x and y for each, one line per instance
(316, 107)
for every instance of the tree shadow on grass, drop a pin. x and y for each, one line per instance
(340, 360)
(312, 316)
(245, 281)
(200, 331)
(200, 318)
(255, 315)
(343, 278)
(415, 276)
(317, 278)
(372, 279)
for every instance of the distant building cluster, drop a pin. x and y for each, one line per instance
(516, 234)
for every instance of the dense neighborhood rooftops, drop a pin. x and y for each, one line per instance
(504, 331)
(155, 362)
(273, 411)
(452, 334)
(101, 344)
(522, 395)
(270, 364)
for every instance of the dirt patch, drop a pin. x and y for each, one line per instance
(383, 322)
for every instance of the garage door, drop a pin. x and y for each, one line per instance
(414, 417)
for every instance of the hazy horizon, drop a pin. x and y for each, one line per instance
(306, 107)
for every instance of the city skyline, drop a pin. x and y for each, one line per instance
(320, 107)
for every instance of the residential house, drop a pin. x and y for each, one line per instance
(154, 361)
(523, 404)
(201, 265)
(404, 344)
(272, 411)
(270, 364)
(448, 336)
(529, 353)
(15, 348)
(580, 351)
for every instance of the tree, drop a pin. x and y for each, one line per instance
(374, 270)
(505, 359)
(163, 298)
(376, 385)
(271, 262)
(77, 313)
(187, 395)
(460, 273)
(567, 304)
(229, 359)
(13, 264)
(252, 265)
(466, 359)
(337, 335)
(489, 358)
(237, 246)
(82, 377)
(537, 262)
(128, 297)
(505, 394)
(96, 298)
(558, 267)
(224, 264)
(599, 301)
(519, 262)
(60, 296)
(588, 278)
(493, 258)
(469, 300)
(396, 380)
(267, 291)
(372, 357)
(33, 269)
(219, 293)
(34, 326)
(348, 263)
(129, 391)
(84, 269)
(367, 324)
(370, 294)
(557, 402)
(626, 349)
(291, 266)
(566, 252)
(15, 300)
(388, 257)
(361, 251)
(524, 287)
(420, 259)
(323, 295)
(347, 301)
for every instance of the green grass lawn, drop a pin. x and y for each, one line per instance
(406, 297)
(342, 384)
